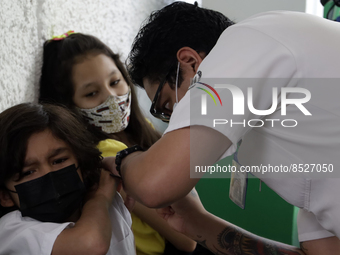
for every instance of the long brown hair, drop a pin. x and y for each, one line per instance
(56, 84)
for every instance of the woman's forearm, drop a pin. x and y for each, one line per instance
(151, 217)
(222, 237)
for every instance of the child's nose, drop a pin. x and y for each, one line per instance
(46, 169)
(109, 91)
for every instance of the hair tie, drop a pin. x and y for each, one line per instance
(63, 36)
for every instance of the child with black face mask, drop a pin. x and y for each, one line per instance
(54, 197)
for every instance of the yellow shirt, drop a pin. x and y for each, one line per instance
(148, 241)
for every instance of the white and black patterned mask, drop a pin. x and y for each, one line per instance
(112, 116)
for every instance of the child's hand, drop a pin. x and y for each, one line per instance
(109, 164)
(106, 187)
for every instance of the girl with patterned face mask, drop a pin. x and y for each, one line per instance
(81, 72)
(84, 74)
(101, 93)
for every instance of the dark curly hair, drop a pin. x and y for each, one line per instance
(20, 122)
(56, 84)
(166, 31)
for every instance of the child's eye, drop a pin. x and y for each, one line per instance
(91, 94)
(114, 83)
(28, 172)
(59, 161)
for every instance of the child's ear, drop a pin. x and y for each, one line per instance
(5, 199)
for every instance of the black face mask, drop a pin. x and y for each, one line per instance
(53, 197)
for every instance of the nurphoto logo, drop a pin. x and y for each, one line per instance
(204, 97)
(280, 99)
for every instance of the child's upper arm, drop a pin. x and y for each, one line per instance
(70, 241)
(23, 235)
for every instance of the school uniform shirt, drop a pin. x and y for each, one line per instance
(24, 235)
(291, 49)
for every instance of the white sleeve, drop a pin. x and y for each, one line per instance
(243, 56)
(309, 228)
(122, 239)
(23, 235)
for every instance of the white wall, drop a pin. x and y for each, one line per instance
(238, 10)
(18, 51)
(26, 24)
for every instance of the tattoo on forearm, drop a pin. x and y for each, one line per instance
(235, 241)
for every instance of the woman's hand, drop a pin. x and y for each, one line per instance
(179, 214)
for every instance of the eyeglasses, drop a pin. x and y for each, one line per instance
(159, 114)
